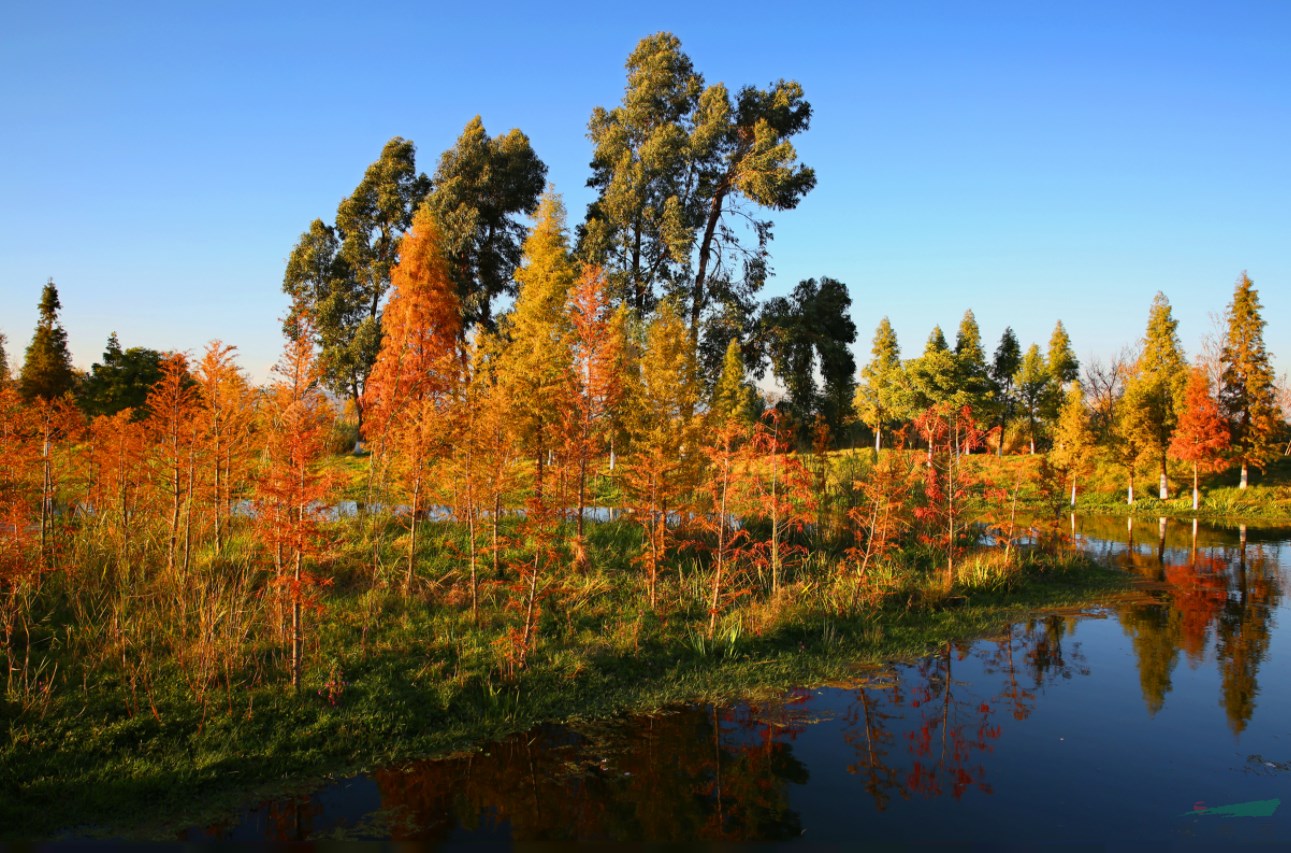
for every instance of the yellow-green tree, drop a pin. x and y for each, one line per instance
(1073, 440)
(1154, 392)
(1247, 395)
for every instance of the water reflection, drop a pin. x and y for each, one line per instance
(1220, 589)
(978, 723)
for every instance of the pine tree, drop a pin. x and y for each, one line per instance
(47, 370)
(1005, 364)
(1062, 363)
(734, 399)
(1201, 436)
(1034, 389)
(1154, 392)
(1247, 395)
(882, 397)
(535, 368)
(1073, 440)
(933, 374)
(971, 372)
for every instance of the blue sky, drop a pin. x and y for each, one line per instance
(1031, 161)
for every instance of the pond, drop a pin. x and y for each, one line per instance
(1163, 717)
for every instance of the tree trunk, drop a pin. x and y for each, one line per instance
(705, 252)
(1243, 485)
(1195, 495)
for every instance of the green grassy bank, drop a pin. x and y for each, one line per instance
(410, 676)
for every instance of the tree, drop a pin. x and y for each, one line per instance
(1247, 394)
(226, 411)
(933, 374)
(808, 331)
(171, 423)
(1201, 436)
(733, 397)
(47, 370)
(881, 398)
(971, 372)
(1034, 390)
(1154, 392)
(672, 164)
(293, 491)
(342, 286)
(4, 362)
(1073, 440)
(120, 381)
(480, 188)
(417, 369)
(663, 437)
(535, 367)
(1062, 363)
(1004, 366)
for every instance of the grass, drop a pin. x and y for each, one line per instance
(392, 678)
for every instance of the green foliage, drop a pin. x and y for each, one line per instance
(882, 399)
(812, 330)
(47, 369)
(481, 186)
(1034, 386)
(1247, 395)
(933, 375)
(120, 381)
(971, 372)
(671, 165)
(733, 397)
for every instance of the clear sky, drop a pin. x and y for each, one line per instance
(1031, 161)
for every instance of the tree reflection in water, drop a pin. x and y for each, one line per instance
(912, 731)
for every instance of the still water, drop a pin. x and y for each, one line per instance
(1165, 717)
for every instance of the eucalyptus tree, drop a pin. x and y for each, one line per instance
(339, 276)
(675, 165)
(480, 190)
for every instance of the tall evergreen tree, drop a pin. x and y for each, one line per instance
(47, 369)
(882, 399)
(1004, 366)
(1154, 392)
(971, 371)
(933, 375)
(734, 398)
(1247, 395)
(1073, 440)
(1034, 389)
(481, 187)
(1063, 365)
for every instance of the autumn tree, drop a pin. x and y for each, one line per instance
(1247, 394)
(226, 411)
(416, 370)
(1062, 362)
(599, 350)
(663, 436)
(481, 187)
(5, 376)
(734, 397)
(933, 374)
(293, 492)
(172, 404)
(1154, 391)
(1073, 440)
(881, 397)
(47, 369)
(340, 276)
(1201, 435)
